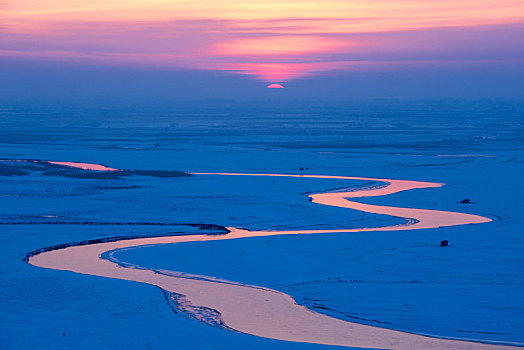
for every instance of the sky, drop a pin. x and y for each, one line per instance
(235, 48)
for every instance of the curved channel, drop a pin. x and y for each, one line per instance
(265, 312)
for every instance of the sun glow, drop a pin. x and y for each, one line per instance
(272, 40)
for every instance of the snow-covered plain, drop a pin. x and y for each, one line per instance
(401, 280)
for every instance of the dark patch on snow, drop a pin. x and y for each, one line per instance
(168, 297)
(202, 314)
(85, 174)
(8, 170)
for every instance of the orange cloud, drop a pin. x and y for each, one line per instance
(280, 45)
(409, 13)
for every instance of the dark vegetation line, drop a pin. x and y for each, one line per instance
(365, 186)
(116, 187)
(214, 230)
(109, 255)
(97, 223)
(15, 167)
(322, 307)
(368, 321)
(480, 332)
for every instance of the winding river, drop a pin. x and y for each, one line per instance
(261, 311)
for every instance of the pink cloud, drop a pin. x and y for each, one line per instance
(273, 43)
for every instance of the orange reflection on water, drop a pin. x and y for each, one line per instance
(84, 166)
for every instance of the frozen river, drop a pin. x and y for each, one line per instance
(367, 265)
